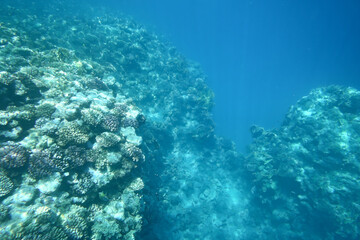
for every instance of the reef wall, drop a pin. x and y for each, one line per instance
(305, 175)
(104, 130)
(69, 148)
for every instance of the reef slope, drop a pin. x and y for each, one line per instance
(105, 130)
(305, 175)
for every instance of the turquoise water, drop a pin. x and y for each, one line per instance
(179, 120)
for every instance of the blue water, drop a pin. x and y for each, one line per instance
(260, 56)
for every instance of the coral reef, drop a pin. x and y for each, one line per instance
(305, 174)
(62, 149)
(107, 133)
(105, 75)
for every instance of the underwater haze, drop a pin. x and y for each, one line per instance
(179, 120)
(259, 56)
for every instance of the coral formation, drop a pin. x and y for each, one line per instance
(75, 156)
(110, 123)
(5, 185)
(108, 139)
(61, 146)
(103, 79)
(71, 133)
(45, 162)
(305, 173)
(75, 222)
(4, 211)
(12, 155)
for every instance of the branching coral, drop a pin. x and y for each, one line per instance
(12, 155)
(5, 185)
